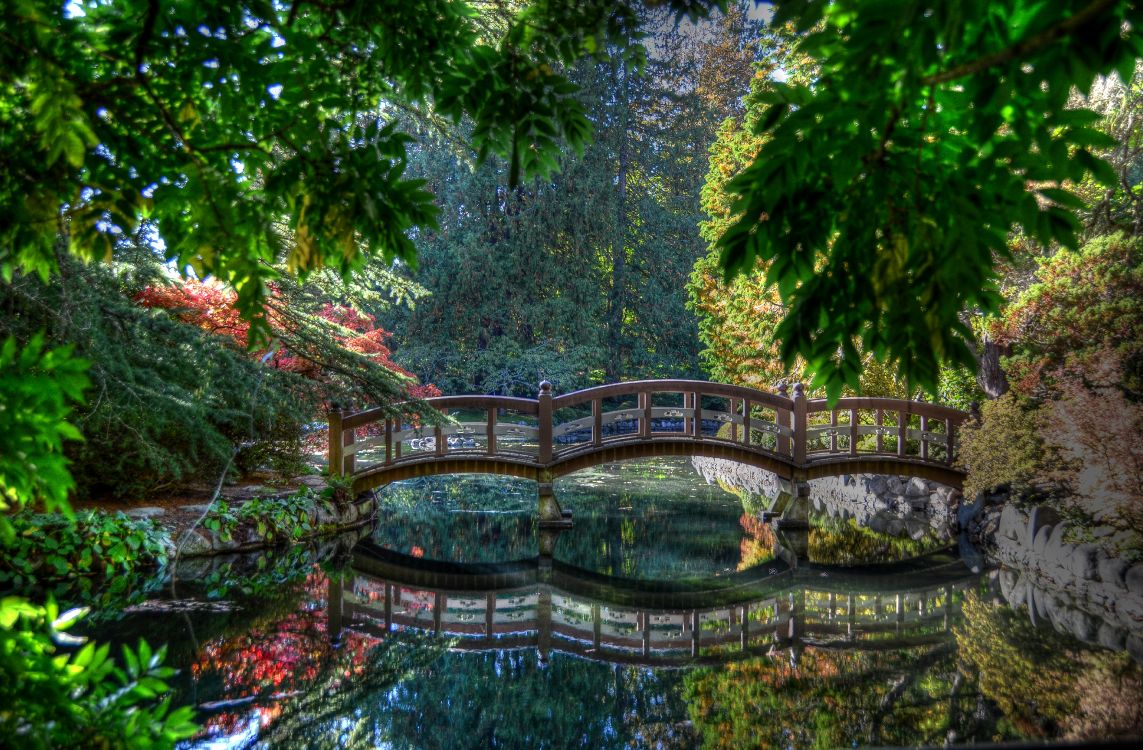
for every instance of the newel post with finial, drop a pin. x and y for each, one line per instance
(545, 419)
(800, 408)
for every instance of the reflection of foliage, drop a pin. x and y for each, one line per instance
(335, 710)
(1047, 684)
(276, 659)
(1110, 700)
(511, 699)
(834, 541)
(277, 573)
(829, 699)
(653, 519)
(759, 543)
(1029, 672)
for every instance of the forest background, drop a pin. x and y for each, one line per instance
(573, 258)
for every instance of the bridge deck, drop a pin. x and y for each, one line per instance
(547, 437)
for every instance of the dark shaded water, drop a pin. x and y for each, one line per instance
(665, 620)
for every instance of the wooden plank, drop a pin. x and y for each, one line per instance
(924, 443)
(597, 422)
(880, 422)
(746, 422)
(901, 417)
(645, 420)
(334, 458)
(388, 441)
(833, 433)
(490, 431)
(853, 432)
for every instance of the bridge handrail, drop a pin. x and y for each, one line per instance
(704, 387)
(920, 408)
(798, 437)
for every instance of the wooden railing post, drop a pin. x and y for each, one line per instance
(645, 420)
(490, 430)
(597, 422)
(545, 418)
(782, 419)
(348, 463)
(800, 406)
(336, 451)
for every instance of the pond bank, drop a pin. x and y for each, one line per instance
(1081, 589)
(253, 517)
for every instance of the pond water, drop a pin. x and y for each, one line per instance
(668, 617)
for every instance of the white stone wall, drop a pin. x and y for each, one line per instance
(896, 505)
(1080, 588)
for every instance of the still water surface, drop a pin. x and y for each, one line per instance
(668, 618)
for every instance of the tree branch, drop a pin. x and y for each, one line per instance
(1028, 46)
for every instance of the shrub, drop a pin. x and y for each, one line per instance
(1006, 449)
(1095, 428)
(1084, 303)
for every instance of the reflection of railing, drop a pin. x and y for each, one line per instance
(543, 613)
(648, 417)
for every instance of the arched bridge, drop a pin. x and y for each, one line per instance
(795, 437)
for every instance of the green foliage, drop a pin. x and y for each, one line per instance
(1083, 304)
(38, 388)
(737, 318)
(51, 550)
(887, 186)
(80, 699)
(169, 401)
(272, 519)
(217, 121)
(1006, 449)
(578, 278)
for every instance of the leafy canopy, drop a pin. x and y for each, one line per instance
(888, 185)
(214, 120)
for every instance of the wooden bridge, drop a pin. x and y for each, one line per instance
(653, 623)
(795, 437)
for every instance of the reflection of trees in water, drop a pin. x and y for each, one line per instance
(646, 520)
(836, 541)
(1049, 685)
(1003, 678)
(508, 699)
(834, 699)
(758, 545)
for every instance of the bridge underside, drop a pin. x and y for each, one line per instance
(563, 465)
(589, 457)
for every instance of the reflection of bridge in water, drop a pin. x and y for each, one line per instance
(795, 437)
(528, 604)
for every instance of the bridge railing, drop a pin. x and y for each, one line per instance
(549, 429)
(881, 427)
(542, 614)
(649, 410)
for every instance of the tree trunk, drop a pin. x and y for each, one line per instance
(990, 375)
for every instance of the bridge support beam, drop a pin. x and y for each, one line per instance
(553, 521)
